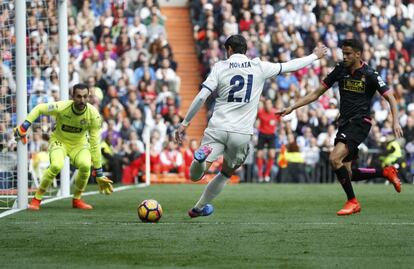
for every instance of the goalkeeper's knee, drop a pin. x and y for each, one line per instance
(85, 168)
(55, 168)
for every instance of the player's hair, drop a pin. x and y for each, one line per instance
(237, 42)
(355, 44)
(79, 86)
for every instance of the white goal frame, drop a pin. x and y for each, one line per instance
(22, 105)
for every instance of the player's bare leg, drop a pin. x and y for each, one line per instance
(214, 187)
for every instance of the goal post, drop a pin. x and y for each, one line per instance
(28, 47)
(21, 102)
(64, 83)
(147, 141)
(25, 63)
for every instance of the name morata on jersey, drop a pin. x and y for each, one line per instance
(239, 83)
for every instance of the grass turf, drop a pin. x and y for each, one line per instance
(254, 226)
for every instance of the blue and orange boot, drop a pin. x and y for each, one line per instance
(202, 153)
(207, 210)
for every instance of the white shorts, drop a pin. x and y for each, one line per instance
(233, 146)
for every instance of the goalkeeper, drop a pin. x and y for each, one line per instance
(74, 120)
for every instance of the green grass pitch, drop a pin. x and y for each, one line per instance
(254, 226)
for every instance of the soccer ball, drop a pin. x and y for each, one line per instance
(149, 211)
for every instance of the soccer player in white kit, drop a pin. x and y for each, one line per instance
(239, 83)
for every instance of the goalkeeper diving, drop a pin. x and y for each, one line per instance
(77, 135)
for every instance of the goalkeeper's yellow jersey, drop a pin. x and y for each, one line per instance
(72, 127)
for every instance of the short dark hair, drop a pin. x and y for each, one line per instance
(237, 42)
(79, 86)
(355, 44)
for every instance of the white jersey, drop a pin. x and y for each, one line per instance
(239, 83)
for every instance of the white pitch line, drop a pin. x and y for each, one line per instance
(267, 223)
(47, 201)
(9, 212)
(192, 223)
(299, 223)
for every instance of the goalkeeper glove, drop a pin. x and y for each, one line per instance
(104, 183)
(20, 132)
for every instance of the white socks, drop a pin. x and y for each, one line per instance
(197, 170)
(213, 188)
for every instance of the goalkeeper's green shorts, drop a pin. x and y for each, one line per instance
(69, 150)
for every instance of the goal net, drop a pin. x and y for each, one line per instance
(42, 86)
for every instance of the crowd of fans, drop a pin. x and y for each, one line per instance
(120, 49)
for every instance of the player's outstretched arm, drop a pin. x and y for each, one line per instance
(307, 99)
(299, 63)
(398, 132)
(20, 131)
(195, 106)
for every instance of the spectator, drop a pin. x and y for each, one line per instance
(188, 155)
(165, 74)
(288, 15)
(268, 122)
(133, 7)
(124, 71)
(311, 157)
(123, 44)
(85, 20)
(99, 7)
(246, 21)
(155, 29)
(171, 159)
(295, 170)
(137, 28)
(398, 52)
(332, 111)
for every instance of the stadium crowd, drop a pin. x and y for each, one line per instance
(121, 50)
(118, 48)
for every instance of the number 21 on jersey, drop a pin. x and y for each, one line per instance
(238, 83)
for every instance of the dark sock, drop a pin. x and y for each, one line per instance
(366, 173)
(225, 174)
(343, 177)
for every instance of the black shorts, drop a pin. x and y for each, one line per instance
(265, 139)
(352, 134)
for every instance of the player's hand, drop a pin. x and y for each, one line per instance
(179, 133)
(284, 111)
(320, 51)
(20, 134)
(104, 183)
(398, 132)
